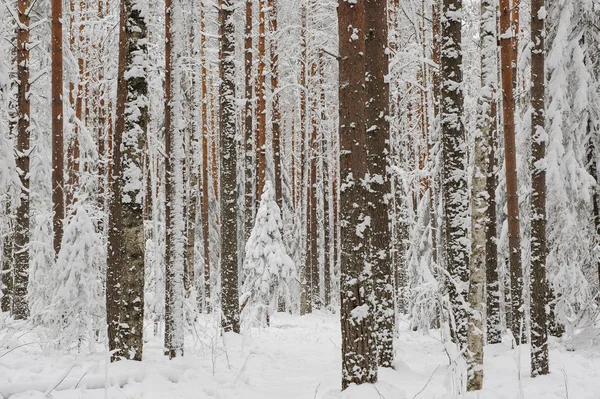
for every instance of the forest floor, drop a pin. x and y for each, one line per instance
(297, 357)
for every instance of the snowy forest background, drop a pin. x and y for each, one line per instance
(228, 153)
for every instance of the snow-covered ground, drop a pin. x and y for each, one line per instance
(297, 357)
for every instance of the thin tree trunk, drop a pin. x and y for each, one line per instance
(275, 112)
(454, 179)
(20, 309)
(539, 283)
(305, 303)
(593, 156)
(479, 197)
(248, 122)
(359, 363)
(7, 274)
(512, 196)
(377, 146)
(261, 112)
(229, 209)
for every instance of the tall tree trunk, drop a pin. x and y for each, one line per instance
(174, 243)
(454, 178)
(20, 308)
(492, 287)
(479, 196)
(275, 112)
(377, 145)
(261, 112)
(58, 179)
(7, 274)
(305, 303)
(227, 125)
(539, 283)
(512, 196)
(125, 272)
(593, 159)
(205, 162)
(249, 202)
(359, 363)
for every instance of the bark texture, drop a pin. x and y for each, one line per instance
(539, 283)
(358, 356)
(510, 156)
(454, 178)
(227, 125)
(377, 144)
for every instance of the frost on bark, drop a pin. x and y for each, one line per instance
(512, 197)
(454, 178)
(377, 144)
(58, 179)
(275, 112)
(6, 279)
(227, 127)
(174, 189)
(248, 123)
(479, 197)
(261, 111)
(358, 357)
(125, 272)
(20, 309)
(539, 283)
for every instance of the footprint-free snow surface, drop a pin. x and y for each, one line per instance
(297, 357)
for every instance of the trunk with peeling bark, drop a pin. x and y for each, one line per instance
(359, 363)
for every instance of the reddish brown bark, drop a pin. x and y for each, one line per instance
(261, 112)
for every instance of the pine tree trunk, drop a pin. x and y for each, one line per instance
(539, 283)
(275, 112)
(174, 248)
(512, 196)
(125, 279)
(248, 122)
(229, 208)
(454, 179)
(20, 309)
(377, 146)
(359, 363)
(479, 197)
(261, 112)
(492, 285)
(58, 179)
(305, 303)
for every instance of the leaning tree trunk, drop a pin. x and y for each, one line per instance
(20, 308)
(359, 363)
(227, 126)
(125, 272)
(512, 196)
(539, 283)
(479, 197)
(378, 139)
(454, 178)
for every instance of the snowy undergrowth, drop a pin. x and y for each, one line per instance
(297, 357)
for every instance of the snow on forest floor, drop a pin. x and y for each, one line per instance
(297, 357)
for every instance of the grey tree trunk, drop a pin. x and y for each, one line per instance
(229, 187)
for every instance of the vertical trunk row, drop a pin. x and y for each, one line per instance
(20, 309)
(512, 196)
(125, 272)
(377, 145)
(539, 284)
(358, 357)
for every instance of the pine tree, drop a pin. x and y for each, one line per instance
(510, 151)
(454, 179)
(378, 138)
(248, 122)
(539, 284)
(229, 187)
(358, 357)
(125, 271)
(268, 270)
